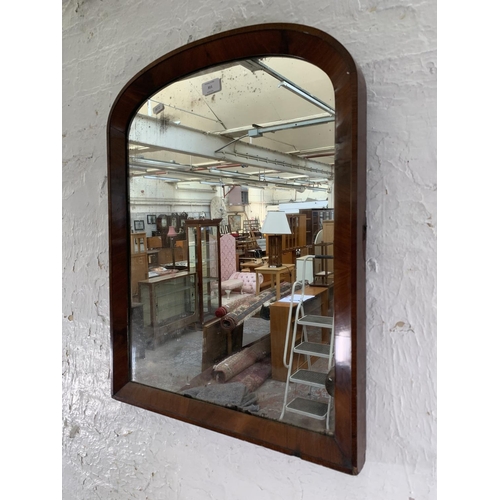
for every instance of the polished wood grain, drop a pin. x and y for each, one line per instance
(345, 450)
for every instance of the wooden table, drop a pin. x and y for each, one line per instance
(279, 319)
(276, 273)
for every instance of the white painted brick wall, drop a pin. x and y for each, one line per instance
(115, 451)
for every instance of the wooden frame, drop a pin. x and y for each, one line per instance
(138, 225)
(345, 450)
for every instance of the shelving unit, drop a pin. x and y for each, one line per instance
(324, 245)
(314, 221)
(251, 225)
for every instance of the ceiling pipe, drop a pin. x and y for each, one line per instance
(256, 179)
(255, 64)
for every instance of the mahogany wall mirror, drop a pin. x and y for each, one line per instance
(248, 111)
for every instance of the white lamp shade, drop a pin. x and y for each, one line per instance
(276, 223)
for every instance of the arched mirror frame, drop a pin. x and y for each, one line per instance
(345, 450)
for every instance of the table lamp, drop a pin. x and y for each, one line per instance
(274, 226)
(172, 234)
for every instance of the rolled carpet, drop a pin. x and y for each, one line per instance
(254, 376)
(236, 363)
(251, 306)
(223, 310)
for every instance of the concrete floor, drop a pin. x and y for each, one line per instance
(175, 363)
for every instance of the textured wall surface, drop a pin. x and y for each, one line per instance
(115, 451)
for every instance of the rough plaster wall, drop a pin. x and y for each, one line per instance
(116, 451)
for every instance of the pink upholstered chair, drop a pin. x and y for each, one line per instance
(230, 278)
(228, 265)
(249, 281)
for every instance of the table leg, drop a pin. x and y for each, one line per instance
(257, 284)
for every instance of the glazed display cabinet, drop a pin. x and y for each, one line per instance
(169, 305)
(203, 240)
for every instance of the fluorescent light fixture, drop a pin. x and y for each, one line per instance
(307, 97)
(212, 183)
(227, 172)
(160, 178)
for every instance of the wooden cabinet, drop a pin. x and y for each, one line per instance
(294, 241)
(314, 221)
(203, 242)
(138, 261)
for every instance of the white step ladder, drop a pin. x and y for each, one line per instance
(310, 406)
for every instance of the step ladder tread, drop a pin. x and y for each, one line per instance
(313, 349)
(308, 407)
(314, 320)
(309, 377)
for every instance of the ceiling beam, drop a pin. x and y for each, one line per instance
(182, 173)
(276, 126)
(148, 131)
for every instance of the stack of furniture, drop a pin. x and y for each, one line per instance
(251, 225)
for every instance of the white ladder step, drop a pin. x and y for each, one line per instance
(309, 377)
(312, 320)
(309, 408)
(313, 349)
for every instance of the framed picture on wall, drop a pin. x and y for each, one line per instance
(151, 219)
(235, 222)
(139, 225)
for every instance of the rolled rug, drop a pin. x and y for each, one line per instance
(223, 310)
(251, 306)
(236, 363)
(255, 375)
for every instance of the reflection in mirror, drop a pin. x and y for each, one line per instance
(212, 318)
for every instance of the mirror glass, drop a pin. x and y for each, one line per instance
(210, 156)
